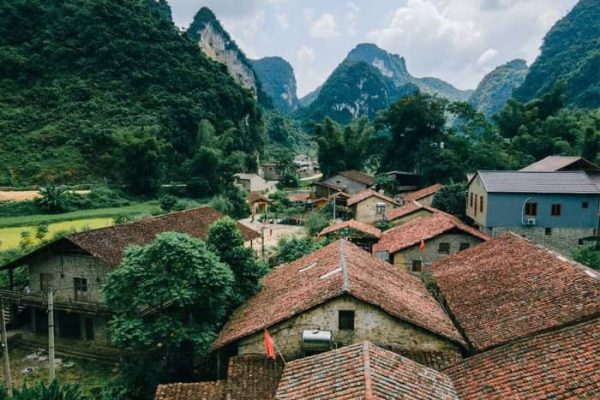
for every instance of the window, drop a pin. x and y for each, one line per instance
(464, 246)
(548, 231)
(346, 319)
(444, 248)
(531, 209)
(46, 281)
(417, 266)
(471, 199)
(555, 212)
(585, 204)
(481, 203)
(81, 289)
(383, 255)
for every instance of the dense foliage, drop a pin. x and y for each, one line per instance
(53, 391)
(588, 255)
(451, 199)
(290, 248)
(111, 89)
(496, 88)
(570, 52)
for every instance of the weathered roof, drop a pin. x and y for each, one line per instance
(366, 194)
(300, 196)
(419, 194)
(337, 269)
(254, 197)
(358, 176)
(327, 185)
(412, 232)
(407, 209)
(509, 288)
(214, 390)
(108, 244)
(561, 163)
(562, 364)
(352, 224)
(537, 182)
(249, 377)
(362, 371)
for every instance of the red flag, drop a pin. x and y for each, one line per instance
(422, 246)
(269, 345)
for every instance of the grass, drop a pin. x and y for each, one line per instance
(88, 374)
(34, 220)
(10, 237)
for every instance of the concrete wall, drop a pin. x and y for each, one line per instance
(370, 323)
(417, 214)
(404, 258)
(351, 187)
(64, 268)
(563, 240)
(366, 210)
(476, 192)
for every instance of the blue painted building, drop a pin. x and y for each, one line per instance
(556, 209)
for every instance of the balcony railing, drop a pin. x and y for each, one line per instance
(40, 300)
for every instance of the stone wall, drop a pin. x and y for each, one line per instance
(417, 214)
(366, 210)
(404, 258)
(562, 240)
(351, 187)
(370, 323)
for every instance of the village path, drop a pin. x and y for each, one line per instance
(273, 232)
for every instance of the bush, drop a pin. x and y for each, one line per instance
(53, 199)
(293, 247)
(315, 222)
(452, 199)
(54, 391)
(167, 202)
(588, 255)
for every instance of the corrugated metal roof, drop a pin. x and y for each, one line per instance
(538, 182)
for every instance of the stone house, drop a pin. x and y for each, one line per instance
(351, 181)
(350, 296)
(423, 196)
(402, 181)
(268, 171)
(362, 235)
(555, 209)
(442, 235)
(253, 183)
(369, 206)
(409, 211)
(77, 265)
(258, 203)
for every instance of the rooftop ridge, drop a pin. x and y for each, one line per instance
(367, 371)
(344, 267)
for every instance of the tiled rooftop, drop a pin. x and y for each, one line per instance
(419, 194)
(407, 209)
(365, 194)
(354, 225)
(510, 288)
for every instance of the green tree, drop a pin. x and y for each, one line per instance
(290, 248)
(588, 255)
(168, 299)
(452, 199)
(225, 239)
(53, 199)
(168, 202)
(316, 221)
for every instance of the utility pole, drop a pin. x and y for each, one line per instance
(52, 374)
(7, 375)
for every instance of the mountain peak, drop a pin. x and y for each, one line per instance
(390, 65)
(205, 14)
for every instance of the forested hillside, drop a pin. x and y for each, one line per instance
(570, 52)
(103, 89)
(278, 81)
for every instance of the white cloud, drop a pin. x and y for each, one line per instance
(324, 27)
(487, 56)
(282, 21)
(352, 17)
(305, 54)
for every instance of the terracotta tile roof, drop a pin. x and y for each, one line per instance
(368, 193)
(191, 391)
(352, 224)
(562, 364)
(297, 197)
(358, 176)
(419, 194)
(509, 288)
(335, 270)
(559, 163)
(412, 232)
(254, 197)
(362, 371)
(249, 377)
(108, 244)
(407, 209)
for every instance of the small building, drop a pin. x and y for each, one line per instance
(562, 163)
(423, 196)
(402, 181)
(441, 233)
(555, 209)
(369, 206)
(338, 296)
(77, 266)
(269, 171)
(253, 183)
(351, 181)
(306, 166)
(259, 203)
(409, 211)
(366, 371)
(362, 235)
(510, 288)
(324, 190)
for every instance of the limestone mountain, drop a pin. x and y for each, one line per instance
(367, 81)
(162, 7)
(310, 97)
(497, 87)
(570, 53)
(278, 81)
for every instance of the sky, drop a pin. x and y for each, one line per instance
(455, 40)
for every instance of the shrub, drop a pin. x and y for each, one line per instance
(167, 202)
(315, 222)
(54, 391)
(587, 255)
(53, 199)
